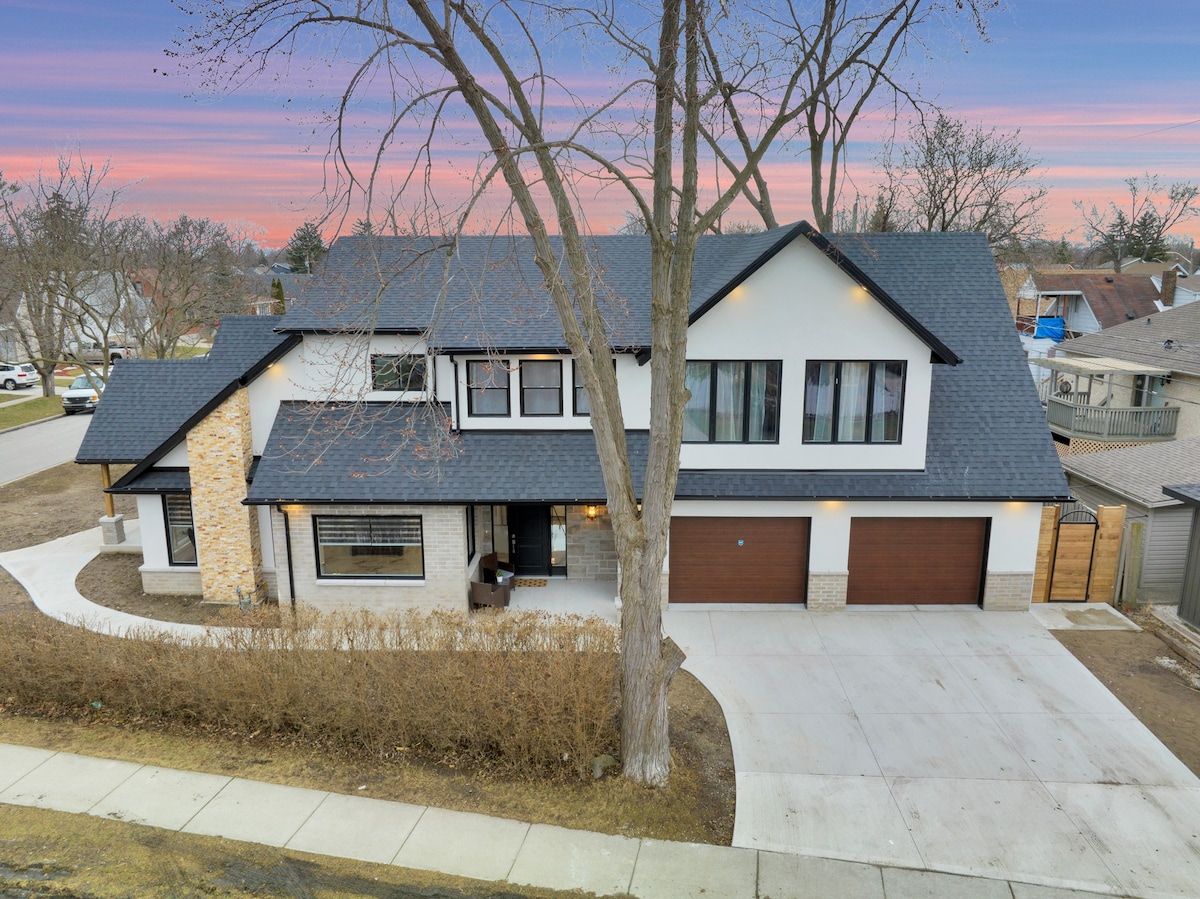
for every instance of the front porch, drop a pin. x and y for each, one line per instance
(1106, 400)
(564, 596)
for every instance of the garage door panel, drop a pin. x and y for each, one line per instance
(708, 564)
(916, 560)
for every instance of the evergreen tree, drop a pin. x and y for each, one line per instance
(306, 249)
(278, 297)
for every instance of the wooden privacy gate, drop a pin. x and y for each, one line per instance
(1079, 555)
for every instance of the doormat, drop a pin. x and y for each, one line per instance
(529, 582)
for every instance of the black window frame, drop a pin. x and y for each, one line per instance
(578, 391)
(470, 516)
(190, 526)
(395, 360)
(712, 401)
(557, 390)
(373, 519)
(487, 385)
(837, 390)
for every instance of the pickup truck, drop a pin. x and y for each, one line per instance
(93, 354)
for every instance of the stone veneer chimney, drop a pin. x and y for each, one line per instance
(1167, 293)
(220, 452)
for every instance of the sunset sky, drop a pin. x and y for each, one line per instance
(1100, 89)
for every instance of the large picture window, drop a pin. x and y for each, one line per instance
(732, 402)
(853, 402)
(181, 533)
(487, 388)
(374, 546)
(541, 387)
(405, 374)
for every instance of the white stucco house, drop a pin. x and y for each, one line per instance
(861, 429)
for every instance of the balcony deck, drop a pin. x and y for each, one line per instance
(1119, 423)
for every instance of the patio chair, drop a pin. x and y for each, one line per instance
(489, 565)
(494, 596)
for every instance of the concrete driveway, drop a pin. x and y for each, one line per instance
(951, 740)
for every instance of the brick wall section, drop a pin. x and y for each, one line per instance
(1007, 591)
(227, 541)
(827, 591)
(171, 581)
(443, 531)
(591, 546)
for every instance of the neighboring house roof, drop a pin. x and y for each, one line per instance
(1169, 340)
(1137, 473)
(1113, 298)
(1188, 494)
(419, 285)
(1152, 268)
(150, 404)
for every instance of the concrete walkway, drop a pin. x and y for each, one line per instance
(948, 739)
(458, 843)
(878, 754)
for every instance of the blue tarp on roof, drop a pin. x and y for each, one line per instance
(1054, 328)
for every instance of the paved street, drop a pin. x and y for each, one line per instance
(37, 447)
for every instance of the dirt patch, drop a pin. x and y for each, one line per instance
(62, 500)
(1162, 698)
(112, 580)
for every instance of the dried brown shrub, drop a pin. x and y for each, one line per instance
(524, 691)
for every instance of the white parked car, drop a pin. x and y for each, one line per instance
(82, 395)
(13, 376)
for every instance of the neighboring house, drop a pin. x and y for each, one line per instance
(1087, 302)
(1189, 594)
(1134, 476)
(1138, 382)
(262, 303)
(861, 429)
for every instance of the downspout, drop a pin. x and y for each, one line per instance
(287, 544)
(110, 510)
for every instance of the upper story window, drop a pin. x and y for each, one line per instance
(541, 387)
(732, 402)
(404, 374)
(580, 406)
(487, 388)
(853, 402)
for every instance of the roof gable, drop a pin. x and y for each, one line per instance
(414, 285)
(149, 405)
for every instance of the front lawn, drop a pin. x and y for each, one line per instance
(13, 414)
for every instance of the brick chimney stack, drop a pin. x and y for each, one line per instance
(1167, 293)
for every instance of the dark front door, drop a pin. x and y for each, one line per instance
(529, 538)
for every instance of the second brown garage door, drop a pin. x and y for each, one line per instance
(916, 560)
(738, 559)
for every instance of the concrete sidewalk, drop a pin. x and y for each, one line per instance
(458, 843)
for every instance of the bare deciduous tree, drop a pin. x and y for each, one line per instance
(66, 263)
(189, 274)
(680, 73)
(953, 177)
(1141, 228)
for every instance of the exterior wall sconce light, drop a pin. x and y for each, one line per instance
(592, 512)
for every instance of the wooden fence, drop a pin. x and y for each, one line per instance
(1079, 555)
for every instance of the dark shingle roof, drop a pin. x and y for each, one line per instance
(411, 285)
(1113, 298)
(404, 454)
(988, 437)
(156, 480)
(148, 405)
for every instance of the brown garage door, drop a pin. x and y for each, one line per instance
(916, 560)
(738, 559)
